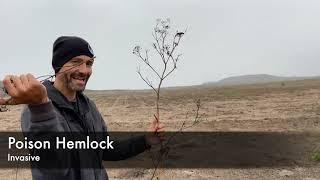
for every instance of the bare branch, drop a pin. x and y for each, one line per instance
(158, 45)
(146, 61)
(170, 72)
(145, 80)
(147, 56)
(197, 119)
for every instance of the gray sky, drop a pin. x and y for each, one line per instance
(225, 37)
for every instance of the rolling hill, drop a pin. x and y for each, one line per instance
(256, 79)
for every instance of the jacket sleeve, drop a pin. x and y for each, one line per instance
(123, 149)
(39, 121)
(40, 118)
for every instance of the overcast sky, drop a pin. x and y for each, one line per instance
(224, 38)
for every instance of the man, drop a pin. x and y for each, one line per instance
(60, 106)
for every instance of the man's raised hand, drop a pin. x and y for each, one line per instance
(156, 133)
(24, 89)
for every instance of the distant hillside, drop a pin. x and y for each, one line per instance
(255, 79)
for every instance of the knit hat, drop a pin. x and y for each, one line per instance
(67, 47)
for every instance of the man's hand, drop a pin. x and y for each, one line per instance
(24, 89)
(156, 135)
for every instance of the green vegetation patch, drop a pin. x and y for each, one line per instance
(316, 156)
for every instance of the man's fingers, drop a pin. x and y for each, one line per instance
(160, 126)
(17, 83)
(31, 78)
(160, 130)
(24, 80)
(9, 86)
(11, 101)
(24, 89)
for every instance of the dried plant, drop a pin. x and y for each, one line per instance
(166, 51)
(165, 46)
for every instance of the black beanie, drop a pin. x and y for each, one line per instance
(67, 47)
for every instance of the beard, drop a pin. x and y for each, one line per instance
(76, 81)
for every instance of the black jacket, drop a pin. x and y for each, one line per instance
(59, 115)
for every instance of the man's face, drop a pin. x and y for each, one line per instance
(75, 74)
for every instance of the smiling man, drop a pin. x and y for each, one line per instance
(72, 62)
(61, 106)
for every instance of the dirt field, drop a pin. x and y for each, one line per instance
(270, 108)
